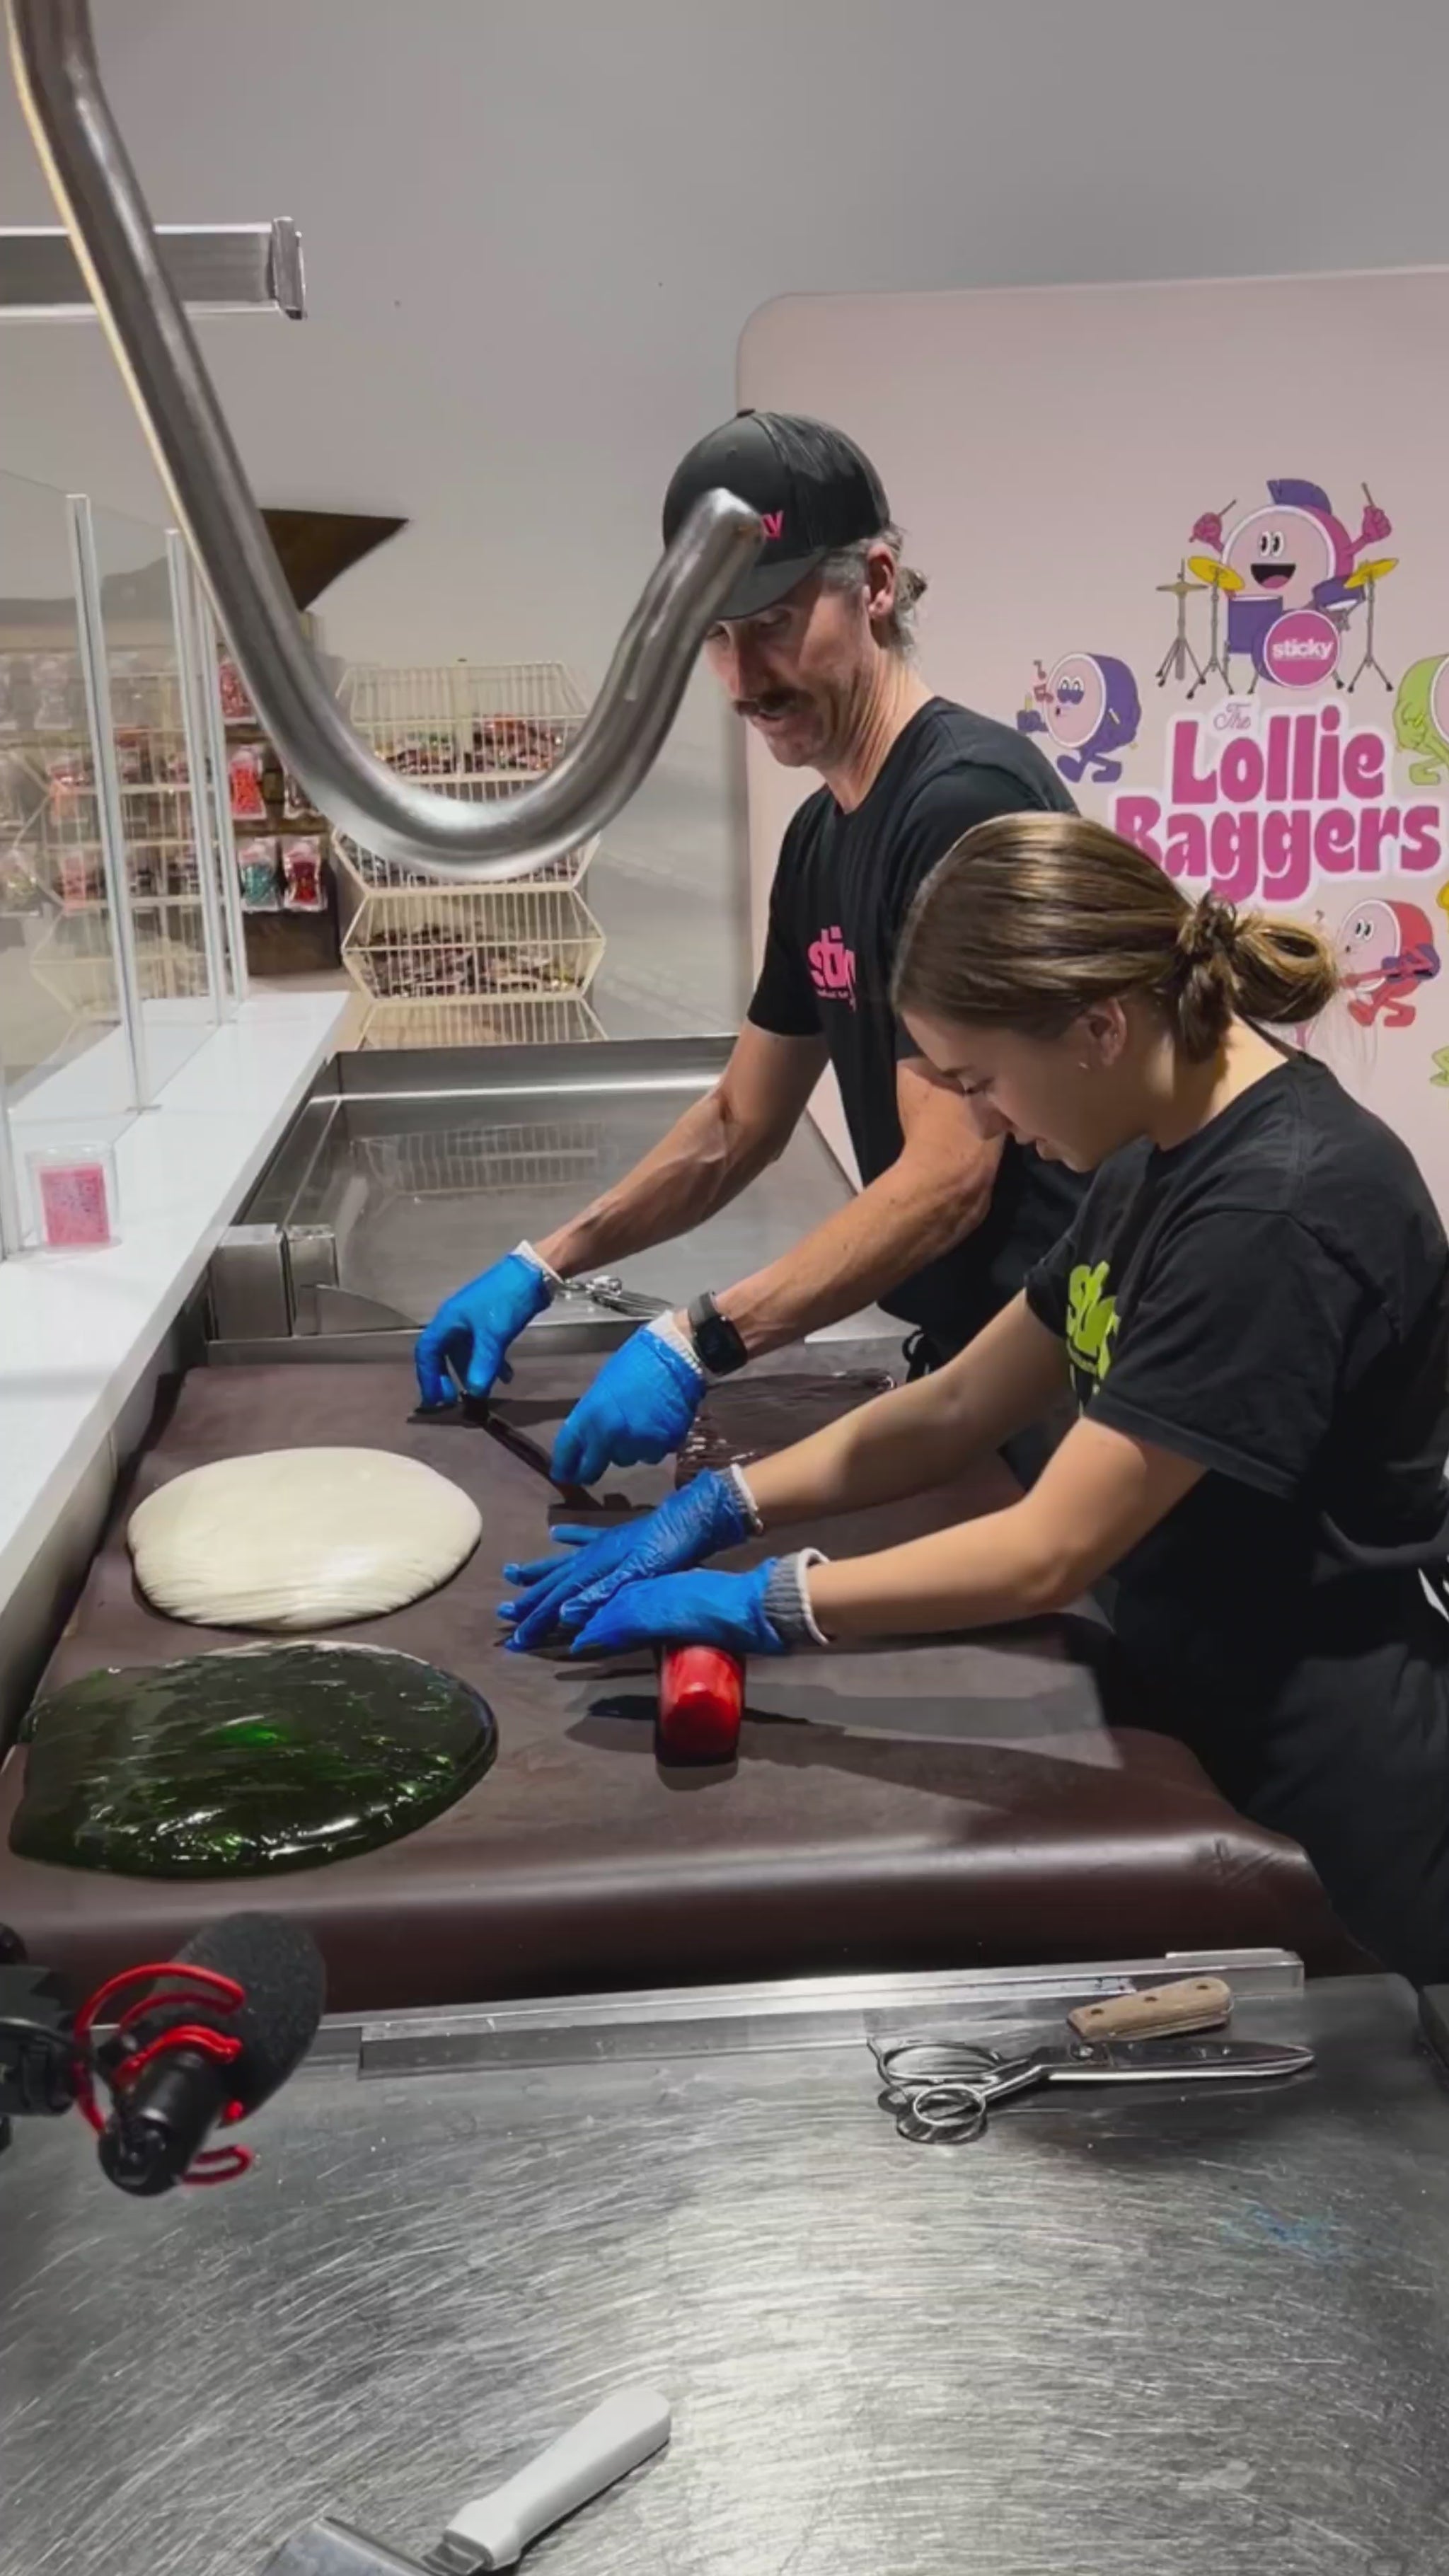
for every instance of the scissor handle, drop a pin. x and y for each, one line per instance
(941, 2115)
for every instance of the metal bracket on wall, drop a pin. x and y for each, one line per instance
(214, 268)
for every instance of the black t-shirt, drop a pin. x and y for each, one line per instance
(842, 890)
(1271, 1300)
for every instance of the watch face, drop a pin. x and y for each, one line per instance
(715, 1339)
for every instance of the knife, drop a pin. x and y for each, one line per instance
(476, 1413)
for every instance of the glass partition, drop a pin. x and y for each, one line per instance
(156, 744)
(115, 958)
(60, 1012)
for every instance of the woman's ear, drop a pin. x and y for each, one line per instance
(1103, 1026)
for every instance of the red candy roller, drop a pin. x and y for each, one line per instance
(701, 1702)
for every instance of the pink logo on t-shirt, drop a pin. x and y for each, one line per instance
(832, 966)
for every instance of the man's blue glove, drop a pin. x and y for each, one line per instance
(474, 1327)
(700, 1609)
(562, 1591)
(638, 1409)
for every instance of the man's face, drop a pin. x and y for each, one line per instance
(801, 671)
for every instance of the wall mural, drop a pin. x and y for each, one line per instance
(1300, 763)
(1190, 539)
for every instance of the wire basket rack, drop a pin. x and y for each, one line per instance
(440, 1163)
(475, 730)
(460, 965)
(531, 1020)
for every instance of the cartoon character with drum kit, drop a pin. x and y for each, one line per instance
(1293, 556)
(1387, 954)
(1421, 718)
(1089, 707)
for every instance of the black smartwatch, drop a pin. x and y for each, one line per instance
(716, 1341)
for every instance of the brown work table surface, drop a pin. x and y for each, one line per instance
(953, 1802)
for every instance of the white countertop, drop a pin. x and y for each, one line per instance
(78, 1329)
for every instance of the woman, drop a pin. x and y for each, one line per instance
(1252, 1310)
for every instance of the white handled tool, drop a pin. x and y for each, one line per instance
(494, 2530)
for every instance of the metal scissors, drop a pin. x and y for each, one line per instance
(942, 2090)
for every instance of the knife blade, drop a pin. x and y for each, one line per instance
(475, 1413)
(1148, 2061)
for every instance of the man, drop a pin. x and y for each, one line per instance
(814, 648)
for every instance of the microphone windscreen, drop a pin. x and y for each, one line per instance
(280, 1968)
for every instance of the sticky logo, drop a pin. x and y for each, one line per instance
(832, 966)
(1091, 1320)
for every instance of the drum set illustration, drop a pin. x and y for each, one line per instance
(1275, 599)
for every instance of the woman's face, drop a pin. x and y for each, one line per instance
(1075, 1098)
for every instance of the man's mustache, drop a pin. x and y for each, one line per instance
(771, 702)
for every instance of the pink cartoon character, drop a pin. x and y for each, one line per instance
(1293, 554)
(1386, 952)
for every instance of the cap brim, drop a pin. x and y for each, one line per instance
(765, 583)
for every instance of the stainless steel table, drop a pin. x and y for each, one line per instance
(403, 1174)
(1148, 2331)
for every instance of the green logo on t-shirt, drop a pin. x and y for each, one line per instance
(1091, 1320)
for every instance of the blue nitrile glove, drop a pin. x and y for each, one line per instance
(474, 1327)
(700, 1520)
(638, 1409)
(699, 1609)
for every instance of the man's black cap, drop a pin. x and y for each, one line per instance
(812, 487)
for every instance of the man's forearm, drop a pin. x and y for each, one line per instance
(882, 1236)
(918, 1436)
(705, 1160)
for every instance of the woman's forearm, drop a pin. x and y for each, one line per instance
(1098, 1496)
(977, 1575)
(918, 1436)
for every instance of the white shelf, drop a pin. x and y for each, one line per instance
(78, 1330)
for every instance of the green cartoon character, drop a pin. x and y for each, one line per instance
(1421, 718)
(1091, 1320)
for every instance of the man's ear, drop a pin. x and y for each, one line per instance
(880, 582)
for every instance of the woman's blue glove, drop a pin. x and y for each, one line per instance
(700, 1609)
(638, 1409)
(562, 1591)
(474, 1327)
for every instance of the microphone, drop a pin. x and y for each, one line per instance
(219, 2029)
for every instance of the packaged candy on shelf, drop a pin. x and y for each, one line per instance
(18, 791)
(73, 1196)
(17, 692)
(304, 885)
(261, 889)
(236, 706)
(70, 786)
(295, 800)
(59, 704)
(79, 879)
(244, 770)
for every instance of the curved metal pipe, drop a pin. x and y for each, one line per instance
(105, 214)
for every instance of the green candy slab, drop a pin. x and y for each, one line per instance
(245, 1762)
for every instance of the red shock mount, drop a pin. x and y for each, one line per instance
(214, 2164)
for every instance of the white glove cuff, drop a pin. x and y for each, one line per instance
(668, 1331)
(536, 1261)
(735, 1479)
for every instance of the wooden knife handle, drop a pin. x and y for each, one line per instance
(1189, 2003)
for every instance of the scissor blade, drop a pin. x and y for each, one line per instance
(1181, 2061)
